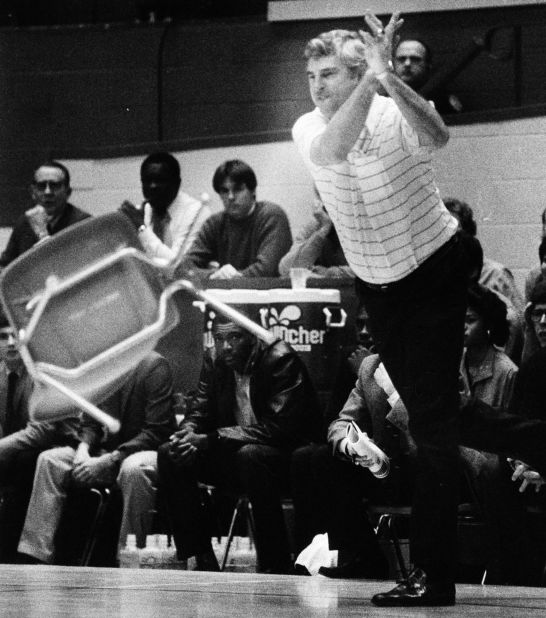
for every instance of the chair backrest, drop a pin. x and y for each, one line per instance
(65, 254)
(89, 306)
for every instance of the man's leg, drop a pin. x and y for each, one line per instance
(138, 480)
(263, 473)
(503, 512)
(328, 497)
(418, 330)
(180, 489)
(35, 436)
(53, 473)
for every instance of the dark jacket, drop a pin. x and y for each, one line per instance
(282, 396)
(143, 406)
(23, 238)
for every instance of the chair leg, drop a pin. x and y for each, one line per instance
(103, 497)
(236, 510)
(387, 520)
(391, 523)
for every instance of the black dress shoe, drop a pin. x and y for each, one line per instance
(417, 592)
(358, 569)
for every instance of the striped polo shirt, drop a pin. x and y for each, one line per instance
(383, 199)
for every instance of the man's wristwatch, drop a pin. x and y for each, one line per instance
(141, 228)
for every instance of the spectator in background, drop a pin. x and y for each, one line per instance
(351, 359)
(489, 375)
(248, 238)
(15, 384)
(496, 277)
(530, 389)
(22, 441)
(317, 248)
(255, 404)
(328, 488)
(538, 272)
(143, 405)
(51, 212)
(412, 60)
(168, 220)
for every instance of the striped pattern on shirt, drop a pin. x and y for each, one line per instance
(383, 199)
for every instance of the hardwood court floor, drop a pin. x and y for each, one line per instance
(42, 592)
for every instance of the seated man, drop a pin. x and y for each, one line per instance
(248, 238)
(328, 488)
(169, 219)
(144, 407)
(51, 212)
(317, 248)
(21, 443)
(255, 404)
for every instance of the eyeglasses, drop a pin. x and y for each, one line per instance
(53, 186)
(537, 314)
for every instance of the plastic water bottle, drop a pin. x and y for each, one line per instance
(129, 557)
(150, 556)
(169, 559)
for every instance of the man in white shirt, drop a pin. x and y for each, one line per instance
(169, 219)
(370, 158)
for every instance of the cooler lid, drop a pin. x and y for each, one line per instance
(305, 295)
(277, 295)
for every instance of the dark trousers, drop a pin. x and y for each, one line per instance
(328, 497)
(259, 471)
(418, 324)
(508, 544)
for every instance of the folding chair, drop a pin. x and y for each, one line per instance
(88, 305)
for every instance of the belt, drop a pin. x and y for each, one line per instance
(428, 263)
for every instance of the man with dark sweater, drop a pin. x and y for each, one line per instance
(51, 213)
(248, 238)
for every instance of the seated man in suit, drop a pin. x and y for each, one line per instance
(328, 489)
(143, 405)
(51, 211)
(21, 443)
(248, 238)
(255, 403)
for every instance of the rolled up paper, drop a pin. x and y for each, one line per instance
(361, 446)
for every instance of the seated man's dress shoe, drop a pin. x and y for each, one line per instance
(416, 591)
(357, 568)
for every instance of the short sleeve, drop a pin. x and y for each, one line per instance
(305, 130)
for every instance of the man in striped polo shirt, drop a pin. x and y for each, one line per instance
(370, 158)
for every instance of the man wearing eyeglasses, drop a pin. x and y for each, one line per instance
(51, 212)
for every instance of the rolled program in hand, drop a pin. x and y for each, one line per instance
(361, 446)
